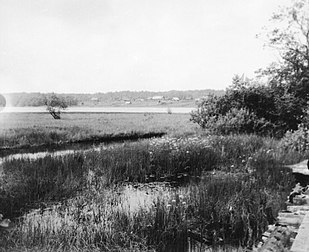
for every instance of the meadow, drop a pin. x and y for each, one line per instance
(186, 191)
(24, 129)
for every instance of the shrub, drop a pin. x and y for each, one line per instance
(297, 140)
(250, 107)
(234, 121)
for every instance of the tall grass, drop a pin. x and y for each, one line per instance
(241, 187)
(39, 135)
(232, 209)
(51, 178)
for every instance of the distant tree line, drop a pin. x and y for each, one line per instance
(38, 99)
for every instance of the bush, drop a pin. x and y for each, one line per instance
(235, 121)
(248, 107)
(297, 140)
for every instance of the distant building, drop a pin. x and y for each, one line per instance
(127, 101)
(157, 97)
(94, 99)
(175, 99)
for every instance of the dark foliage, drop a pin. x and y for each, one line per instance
(54, 104)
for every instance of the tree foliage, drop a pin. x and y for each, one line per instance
(2, 102)
(282, 103)
(245, 108)
(54, 104)
(289, 78)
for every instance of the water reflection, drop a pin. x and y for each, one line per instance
(36, 153)
(136, 196)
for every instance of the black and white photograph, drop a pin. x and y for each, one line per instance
(154, 125)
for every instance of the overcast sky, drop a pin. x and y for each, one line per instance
(113, 45)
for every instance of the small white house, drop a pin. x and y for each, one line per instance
(175, 99)
(94, 99)
(158, 97)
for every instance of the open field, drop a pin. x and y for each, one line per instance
(99, 121)
(18, 129)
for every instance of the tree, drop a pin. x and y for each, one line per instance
(289, 78)
(54, 104)
(2, 102)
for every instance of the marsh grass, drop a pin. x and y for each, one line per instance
(54, 178)
(46, 179)
(27, 129)
(16, 137)
(224, 208)
(241, 187)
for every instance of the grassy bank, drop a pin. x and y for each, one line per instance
(20, 129)
(229, 190)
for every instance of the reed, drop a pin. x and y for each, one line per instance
(241, 187)
(222, 209)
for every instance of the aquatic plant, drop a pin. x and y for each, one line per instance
(240, 188)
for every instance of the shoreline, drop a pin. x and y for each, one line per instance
(105, 109)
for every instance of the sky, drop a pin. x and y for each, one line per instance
(89, 46)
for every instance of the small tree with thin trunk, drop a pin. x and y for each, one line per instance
(54, 105)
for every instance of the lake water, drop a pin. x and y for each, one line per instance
(177, 110)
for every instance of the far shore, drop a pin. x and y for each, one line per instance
(107, 109)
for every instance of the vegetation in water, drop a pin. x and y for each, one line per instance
(231, 189)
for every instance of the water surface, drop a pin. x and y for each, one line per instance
(177, 110)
